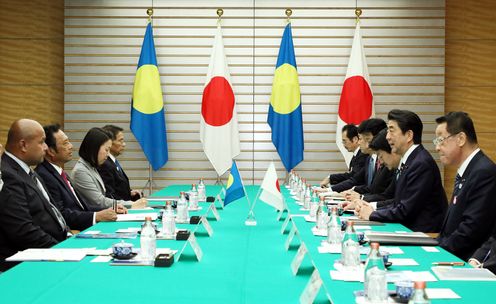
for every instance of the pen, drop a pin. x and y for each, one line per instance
(448, 263)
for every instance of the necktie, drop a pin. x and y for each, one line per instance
(56, 211)
(377, 164)
(370, 171)
(351, 163)
(400, 171)
(66, 180)
(118, 165)
(456, 188)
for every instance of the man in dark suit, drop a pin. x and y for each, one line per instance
(28, 217)
(485, 256)
(365, 179)
(357, 163)
(71, 205)
(419, 202)
(389, 163)
(472, 211)
(115, 179)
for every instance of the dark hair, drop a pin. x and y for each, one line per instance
(50, 131)
(351, 131)
(91, 144)
(379, 142)
(372, 125)
(407, 120)
(113, 130)
(457, 122)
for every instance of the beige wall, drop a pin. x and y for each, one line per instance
(471, 68)
(32, 61)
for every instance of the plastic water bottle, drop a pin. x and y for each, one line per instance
(374, 283)
(321, 217)
(202, 196)
(350, 249)
(182, 209)
(193, 197)
(314, 205)
(308, 198)
(148, 241)
(419, 296)
(168, 222)
(302, 192)
(334, 228)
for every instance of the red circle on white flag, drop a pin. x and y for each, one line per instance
(217, 102)
(355, 104)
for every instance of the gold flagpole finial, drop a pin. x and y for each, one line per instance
(358, 13)
(220, 12)
(149, 12)
(289, 12)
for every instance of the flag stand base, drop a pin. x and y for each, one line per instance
(250, 220)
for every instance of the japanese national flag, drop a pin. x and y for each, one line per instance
(356, 102)
(271, 193)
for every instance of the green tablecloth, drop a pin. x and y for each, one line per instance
(241, 264)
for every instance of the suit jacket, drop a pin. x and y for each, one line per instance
(384, 198)
(88, 183)
(115, 180)
(77, 216)
(486, 254)
(26, 217)
(358, 178)
(356, 165)
(471, 217)
(381, 180)
(419, 201)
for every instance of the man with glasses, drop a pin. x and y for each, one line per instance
(357, 163)
(470, 217)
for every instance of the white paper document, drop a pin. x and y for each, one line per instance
(441, 293)
(403, 262)
(430, 249)
(135, 217)
(49, 254)
(319, 232)
(463, 274)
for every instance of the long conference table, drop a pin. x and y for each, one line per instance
(240, 264)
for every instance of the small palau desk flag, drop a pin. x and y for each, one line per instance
(285, 114)
(235, 189)
(219, 120)
(147, 106)
(356, 103)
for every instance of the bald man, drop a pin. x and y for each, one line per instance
(28, 218)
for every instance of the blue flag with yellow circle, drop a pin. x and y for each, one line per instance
(285, 115)
(147, 106)
(235, 189)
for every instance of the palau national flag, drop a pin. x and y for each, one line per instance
(285, 118)
(235, 189)
(147, 109)
(356, 102)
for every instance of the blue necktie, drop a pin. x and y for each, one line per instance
(119, 168)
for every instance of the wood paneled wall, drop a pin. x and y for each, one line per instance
(471, 69)
(32, 62)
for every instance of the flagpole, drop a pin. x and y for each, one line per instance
(250, 219)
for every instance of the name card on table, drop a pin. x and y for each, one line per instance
(285, 224)
(313, 286)
(298, 259)
(291, 235)
(192, 242)
(219, 199)
(207, 226)
(214, 210)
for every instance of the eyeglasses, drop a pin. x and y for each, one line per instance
(439, 140)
